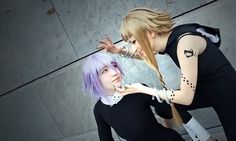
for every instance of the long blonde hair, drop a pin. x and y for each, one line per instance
(136, 24)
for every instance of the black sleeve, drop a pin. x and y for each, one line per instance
(104, 130)
(162, 109)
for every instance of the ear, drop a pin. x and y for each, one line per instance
(151, 34)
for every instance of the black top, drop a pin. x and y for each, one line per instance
(132, 119)
(216, 83)
(216, 76)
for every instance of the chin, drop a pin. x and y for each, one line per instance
(155, 52)
(118, 84)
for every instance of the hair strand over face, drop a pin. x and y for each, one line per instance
(138, 22)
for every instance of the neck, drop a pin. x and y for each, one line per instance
(162, 39)
(110, 92)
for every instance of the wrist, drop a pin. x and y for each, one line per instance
(157, 95)
(119, 50)
(149, 91)
(165, 95)
(126, 52)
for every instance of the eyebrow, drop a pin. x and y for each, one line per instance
(130, 39)
(104, 67)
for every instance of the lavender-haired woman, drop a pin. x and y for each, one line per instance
(130, 116)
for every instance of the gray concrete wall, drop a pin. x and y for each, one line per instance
(42, 48)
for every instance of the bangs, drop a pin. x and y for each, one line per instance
(125, 31)
(132, 25)
(129, 26)
(143, 19)
(98, 61)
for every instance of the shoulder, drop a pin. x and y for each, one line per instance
(193, 42)
(185, 40)
(187, 35)
(97, 107)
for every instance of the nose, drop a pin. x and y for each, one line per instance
(113, 71)
(133, 47)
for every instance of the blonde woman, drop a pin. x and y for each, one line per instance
(207, 77)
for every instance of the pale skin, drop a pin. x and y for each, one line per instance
(188, 49)
(110, 78)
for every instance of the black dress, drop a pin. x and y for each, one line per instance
(216, 84)
(132, 119)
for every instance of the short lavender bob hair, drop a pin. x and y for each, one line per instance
(91, 69)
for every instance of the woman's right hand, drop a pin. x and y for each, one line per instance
(108, 45)
(133, 88)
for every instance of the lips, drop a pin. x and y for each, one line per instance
(118, 78)
(139, 52)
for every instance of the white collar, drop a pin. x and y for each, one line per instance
(111, 100)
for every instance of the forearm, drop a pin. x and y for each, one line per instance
(169, 123)
(104, 130)
(179, 97)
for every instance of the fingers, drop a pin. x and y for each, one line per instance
(105, 43)
(120, 88)
(123, 90)
(108, 45)
(101, 46)
(109, 39)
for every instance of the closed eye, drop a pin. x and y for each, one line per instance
(133, 42)
(104, 70)
(114, 64)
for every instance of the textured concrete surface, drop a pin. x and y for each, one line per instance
(42, 48)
